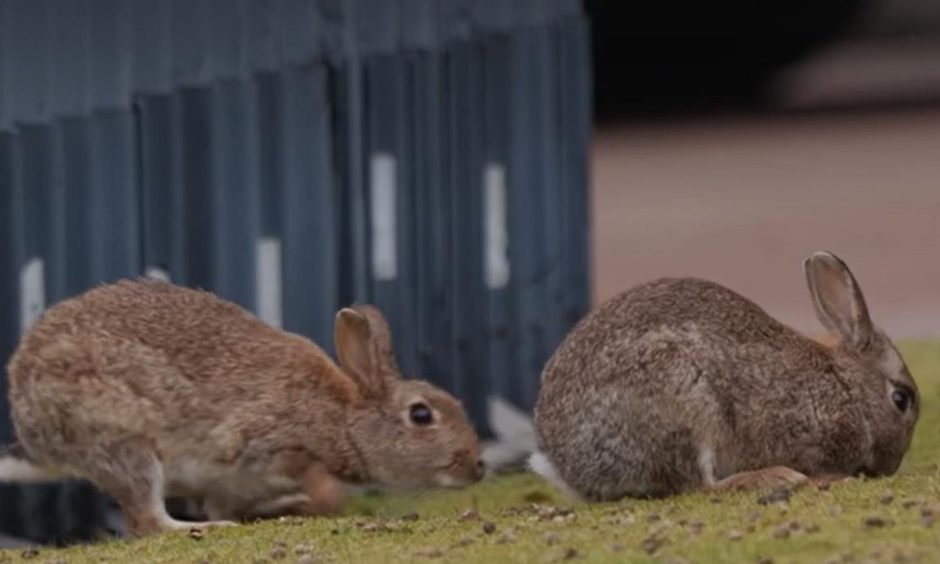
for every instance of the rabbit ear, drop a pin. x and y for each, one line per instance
(838, 300)
(364, 348)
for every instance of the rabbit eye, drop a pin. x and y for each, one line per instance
(420, 414)
(902, 400)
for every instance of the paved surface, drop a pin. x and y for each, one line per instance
(743, 200)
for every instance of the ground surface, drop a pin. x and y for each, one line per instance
(886, 520)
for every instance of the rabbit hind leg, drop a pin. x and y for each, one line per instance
(132, 474)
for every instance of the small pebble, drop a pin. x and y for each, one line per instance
(430, 553)
(875, 522)
(469, 515)
(278, 552)
(697, 527)
(886, 498)
(617, 520)
(782, 532)
(811, 528)
(303, 549)
(552, 539)
(651, 544)
(570, 554)
(410, 516)
(795, 526)
(909, 503)
(465, 541)
(779, 495)
(506, 538)
(196, 534)
(489, 527)
(735, 535)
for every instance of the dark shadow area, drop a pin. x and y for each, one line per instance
(656, 58)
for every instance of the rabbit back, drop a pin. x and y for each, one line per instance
(200, 380)
(679, 382)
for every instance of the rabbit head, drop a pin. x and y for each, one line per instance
(409, 433)
(866, 360)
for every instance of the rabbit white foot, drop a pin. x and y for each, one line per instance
(540, 464)
(765, 478)
(176, 525)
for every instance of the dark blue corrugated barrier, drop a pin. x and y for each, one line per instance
(294, 156)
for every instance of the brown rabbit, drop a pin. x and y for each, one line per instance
(682, 383)
(150, 390)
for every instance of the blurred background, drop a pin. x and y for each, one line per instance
(733, 139)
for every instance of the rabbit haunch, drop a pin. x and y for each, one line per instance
(147, 389)
(682, 383)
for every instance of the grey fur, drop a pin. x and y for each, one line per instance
(681, 383)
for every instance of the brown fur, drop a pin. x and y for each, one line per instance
(142, 384)
(683, 383)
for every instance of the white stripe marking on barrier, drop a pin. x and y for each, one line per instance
(32, 293)
(157, 273)
(496, 229)
(268, 280)
(383, 186)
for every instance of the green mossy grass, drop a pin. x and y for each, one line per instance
(518, 518)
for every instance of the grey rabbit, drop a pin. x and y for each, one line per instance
(681, 383)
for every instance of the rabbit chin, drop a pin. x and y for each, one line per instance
(541, 465)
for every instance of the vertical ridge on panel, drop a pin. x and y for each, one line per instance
(309, 207)
(466, 217)
(390, 196)
(235, 201)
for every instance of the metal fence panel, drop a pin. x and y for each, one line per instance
(309, 204)
(297, 156)
(235, 200)
(573, 87)
(430, 181)
(502, 338)
(391, 196)
(465, 148)
(75, 138)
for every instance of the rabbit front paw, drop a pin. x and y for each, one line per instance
(765, 478)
